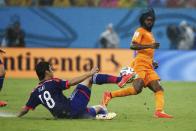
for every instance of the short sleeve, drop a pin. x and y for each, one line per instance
(137, 37)
(33, 102)
(62, 84)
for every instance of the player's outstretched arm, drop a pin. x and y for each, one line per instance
(136, 46)
(23, 112)
(77, 80)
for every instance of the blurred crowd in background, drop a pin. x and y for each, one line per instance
(180, 36)
(102, 3)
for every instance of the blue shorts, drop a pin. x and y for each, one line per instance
(79, 101)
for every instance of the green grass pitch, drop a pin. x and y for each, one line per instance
(134, 113)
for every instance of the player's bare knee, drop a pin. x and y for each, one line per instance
(159, 88)
(138, 85)
(87, 82)
(138, 89)
(155, 86)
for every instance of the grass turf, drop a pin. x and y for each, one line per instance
(133, 112)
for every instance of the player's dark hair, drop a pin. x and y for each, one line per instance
(41, 68)
(146, 13)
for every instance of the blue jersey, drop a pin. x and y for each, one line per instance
(49, 93)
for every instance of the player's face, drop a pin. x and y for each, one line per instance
(50, 71)
(149, 22)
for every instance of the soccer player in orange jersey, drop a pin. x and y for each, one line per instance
(2, 75)
(144, 43)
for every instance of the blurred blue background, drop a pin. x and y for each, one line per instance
(81, 27)
(79, 24)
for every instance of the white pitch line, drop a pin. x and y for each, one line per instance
(7, 114)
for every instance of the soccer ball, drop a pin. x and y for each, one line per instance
(126, 71)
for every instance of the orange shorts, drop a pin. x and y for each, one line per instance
(145, 70)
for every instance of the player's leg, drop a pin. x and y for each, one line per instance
(100, 109)
(93, 111)
(159, 99)
(137, 87)
(2, 75)
(159, 94)
(97, 109)
(80, 98)
(79, 101)
(99, 112)
(108, 79)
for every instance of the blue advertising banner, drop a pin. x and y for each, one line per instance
(81, 27)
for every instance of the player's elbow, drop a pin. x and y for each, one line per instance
(132, 47)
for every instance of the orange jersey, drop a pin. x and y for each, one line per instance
(142, 64)
(144, 37)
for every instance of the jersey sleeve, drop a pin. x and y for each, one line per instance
(137, 37)
(33, 102)
(62, 84)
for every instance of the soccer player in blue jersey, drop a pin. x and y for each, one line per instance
(49, 93)
(2, 76)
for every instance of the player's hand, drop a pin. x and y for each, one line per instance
(2, 51)
(94, 70)
(155, 64)
(156, 45)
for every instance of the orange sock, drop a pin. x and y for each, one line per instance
(124, 92)
(159, 100)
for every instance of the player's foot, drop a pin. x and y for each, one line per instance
(162, 114)
(3, 103)
(108, 116)
(126, 78)
(106, 98)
